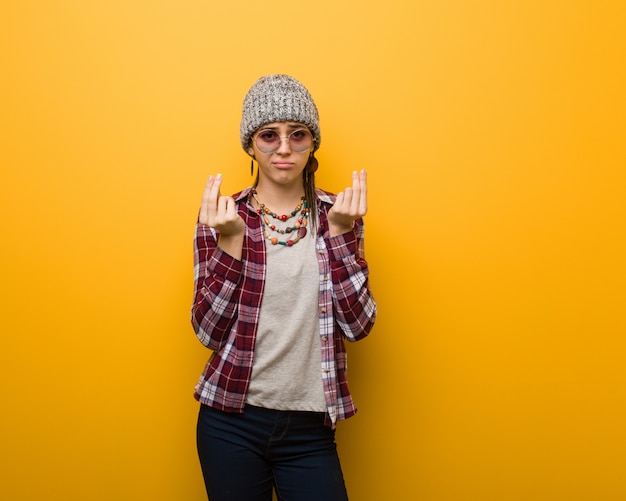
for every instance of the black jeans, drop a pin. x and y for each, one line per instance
(244, 455)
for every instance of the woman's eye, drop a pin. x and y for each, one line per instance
(298, 135)
(268, 136)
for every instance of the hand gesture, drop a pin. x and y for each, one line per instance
(218, 211)
(350, 205)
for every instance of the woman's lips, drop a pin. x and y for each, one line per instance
(283, 165)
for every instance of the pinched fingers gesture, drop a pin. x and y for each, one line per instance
(350, 205)
(219, 211)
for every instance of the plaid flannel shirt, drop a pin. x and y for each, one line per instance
(227, 303)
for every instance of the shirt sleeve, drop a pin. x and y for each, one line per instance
(216, 279)
(354, 304)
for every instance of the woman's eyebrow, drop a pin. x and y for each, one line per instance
(290, 125)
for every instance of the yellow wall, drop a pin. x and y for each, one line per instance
(493, 133)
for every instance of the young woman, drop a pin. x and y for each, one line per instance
(280, 282)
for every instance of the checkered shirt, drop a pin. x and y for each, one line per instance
(227, 303)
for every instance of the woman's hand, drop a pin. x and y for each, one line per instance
(350, 205)
(219, 212)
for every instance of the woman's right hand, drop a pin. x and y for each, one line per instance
(220, 213)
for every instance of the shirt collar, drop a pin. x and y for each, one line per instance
(243, 194)
(322, 195)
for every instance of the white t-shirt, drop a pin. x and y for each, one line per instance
(286, 374)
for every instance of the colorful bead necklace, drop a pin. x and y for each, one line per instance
(298, 227)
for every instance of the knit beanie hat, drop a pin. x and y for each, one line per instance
(278, 98)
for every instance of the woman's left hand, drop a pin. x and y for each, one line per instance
(350, 205)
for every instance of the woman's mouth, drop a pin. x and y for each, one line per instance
(283, 165)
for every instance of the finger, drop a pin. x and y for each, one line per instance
(229, 207)
(215, 188)
(221, 209)
(363, 193)
(204, 207)
(347, 199)
(356, 188)
(207, 188)
(213, 198)
(338, 200)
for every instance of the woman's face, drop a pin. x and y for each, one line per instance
(282, 150)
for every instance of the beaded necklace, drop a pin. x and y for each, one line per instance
(298, 227)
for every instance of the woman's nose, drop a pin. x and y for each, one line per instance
(284, 147)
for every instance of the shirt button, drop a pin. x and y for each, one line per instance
(324, 338)
(326, 371)
(325, 277)
(323, 310)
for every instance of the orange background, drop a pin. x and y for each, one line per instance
(493, 134)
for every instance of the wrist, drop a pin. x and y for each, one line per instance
(335, 229)
(231, 244)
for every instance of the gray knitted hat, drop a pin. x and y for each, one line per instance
(278, 98)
